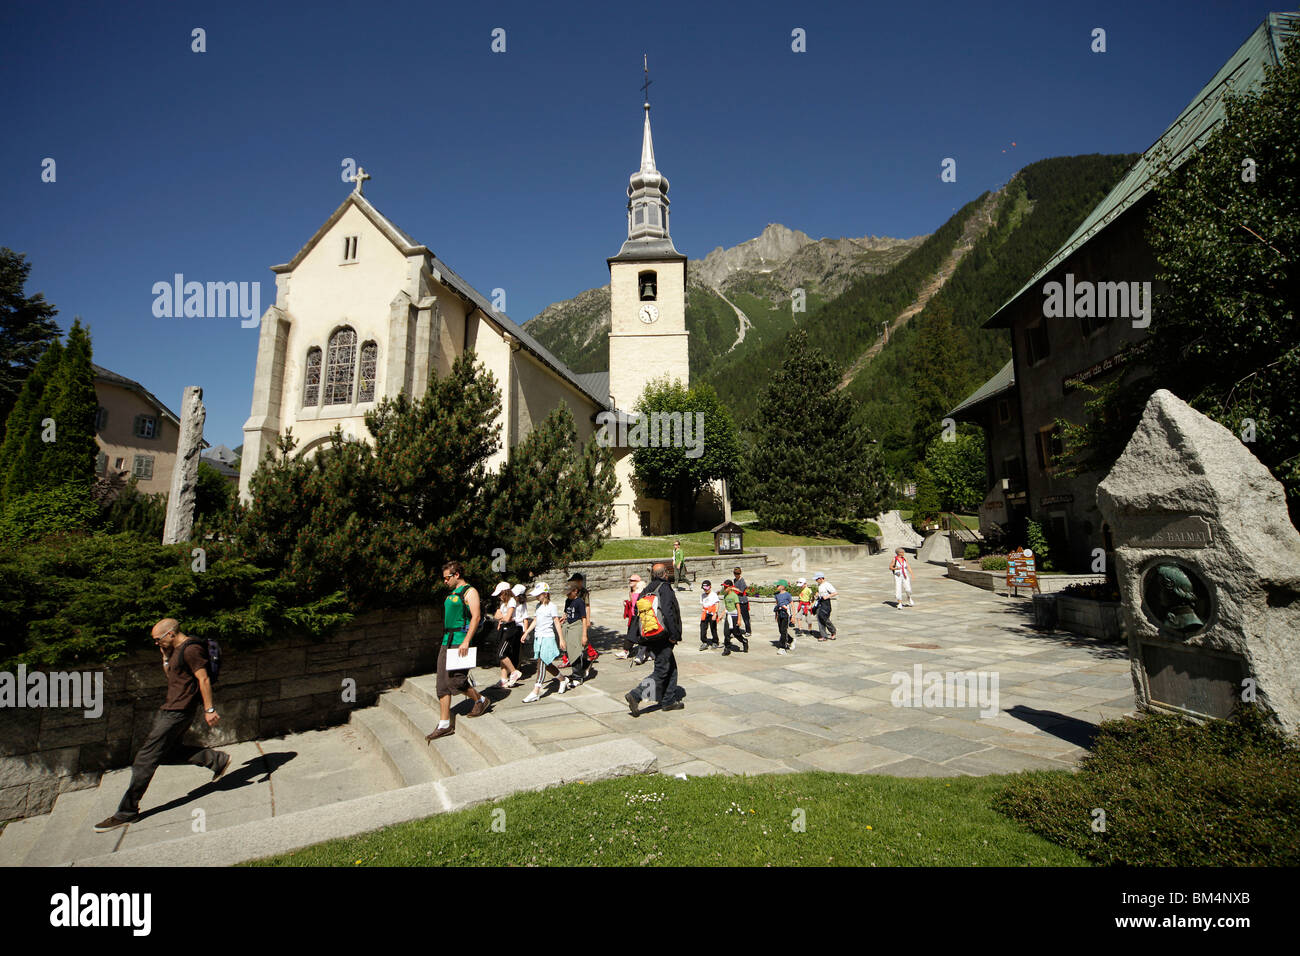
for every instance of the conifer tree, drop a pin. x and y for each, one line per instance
(378, 522)
(72, 404)
(811, 467)
(27, 328)
(23, 430)
(552, 498)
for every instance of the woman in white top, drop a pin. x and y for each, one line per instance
(545, 626)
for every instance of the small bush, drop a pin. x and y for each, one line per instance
(972, 552)
(1226, 793)
(994, 562)
(58, 510)
(1100, 591)
(137, 512)
(1037, 541)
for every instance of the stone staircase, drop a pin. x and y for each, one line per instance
(485, 754)
(398, 724)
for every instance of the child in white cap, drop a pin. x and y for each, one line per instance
(509, 626)
(545, 625)
(825, 594)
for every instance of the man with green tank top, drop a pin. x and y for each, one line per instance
(461, 612)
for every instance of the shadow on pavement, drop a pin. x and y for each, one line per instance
(261, 766)
(1072, 730)
(1023, 614)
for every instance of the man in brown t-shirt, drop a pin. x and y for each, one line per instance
(185, 662)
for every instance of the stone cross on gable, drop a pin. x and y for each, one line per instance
(359, 177)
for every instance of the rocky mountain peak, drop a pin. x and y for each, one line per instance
(774, 245)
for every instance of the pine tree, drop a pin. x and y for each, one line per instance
(27, 328)
(23, 429)
(378, 522)
(811, 468)
(72, 404)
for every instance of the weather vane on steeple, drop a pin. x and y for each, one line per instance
(645, 87)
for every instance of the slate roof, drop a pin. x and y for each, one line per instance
(1003, 381)
(104, 375)
(1243, 71)
(595, 382)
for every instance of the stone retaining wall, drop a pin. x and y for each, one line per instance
(295, 685)
(814, 555)
(614, 574)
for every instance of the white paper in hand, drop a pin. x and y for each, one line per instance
(457, 663)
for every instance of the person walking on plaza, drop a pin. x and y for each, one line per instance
(805, 605)
(741, 587)
(731, 603)
(783, 604)
(629, 612)
(710, 611)
(902, 579)
(576, 622)
(508, 631)
(461, 612)
(825, 594)
(185, 662)
(679, 567)
(544, 630)
(588, 648)
(657, 625)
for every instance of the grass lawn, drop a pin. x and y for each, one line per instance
(848, 820)
(617, 549)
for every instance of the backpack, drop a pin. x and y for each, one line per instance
(647, 612)
(214, 655)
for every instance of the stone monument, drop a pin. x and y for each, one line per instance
(1208, 566)
(185, 473)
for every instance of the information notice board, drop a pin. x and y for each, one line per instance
(1021, 572)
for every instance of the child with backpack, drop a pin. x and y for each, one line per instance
(784, 602)
(731, 602)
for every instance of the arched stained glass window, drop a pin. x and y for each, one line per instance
(311, 382)
(366, 377)
(340, 367)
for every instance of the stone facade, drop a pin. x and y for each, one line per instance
(296, 684)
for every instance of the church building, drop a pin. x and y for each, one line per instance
(364, 312)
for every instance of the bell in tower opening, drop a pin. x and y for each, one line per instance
(647, 283)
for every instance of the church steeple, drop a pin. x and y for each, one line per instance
(647, 191)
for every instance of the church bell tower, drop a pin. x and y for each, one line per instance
(647, 287)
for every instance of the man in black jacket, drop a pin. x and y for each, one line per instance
(661, 685)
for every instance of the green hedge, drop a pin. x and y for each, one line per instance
(90, 599)
(994, 562)
(1174, 794)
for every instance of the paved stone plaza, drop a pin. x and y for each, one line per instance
(827, 705)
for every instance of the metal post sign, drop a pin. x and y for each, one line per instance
(1021, 570)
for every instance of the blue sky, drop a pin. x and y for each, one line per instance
(513, 166)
